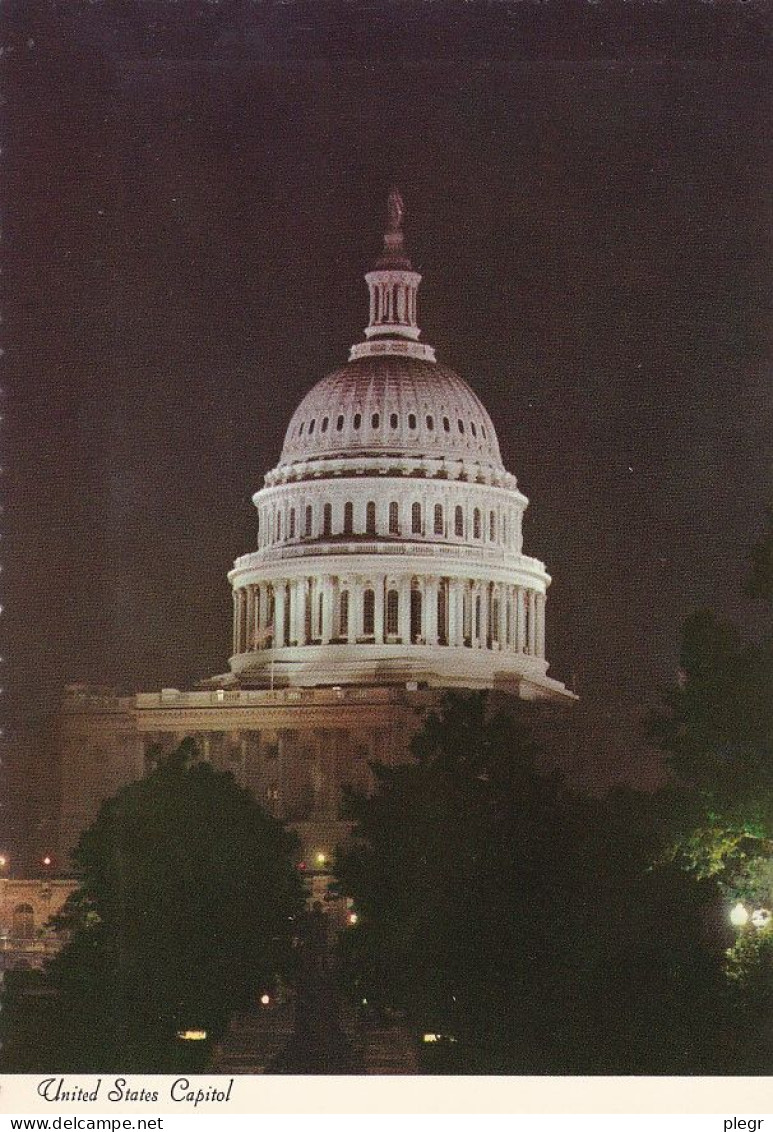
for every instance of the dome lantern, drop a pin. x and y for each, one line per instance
(393, 286)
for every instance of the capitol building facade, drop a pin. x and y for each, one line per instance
(389, 566)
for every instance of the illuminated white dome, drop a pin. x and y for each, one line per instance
(390, 545)
(392, 405)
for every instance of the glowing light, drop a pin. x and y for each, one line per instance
(321, 859)
(353, 918)
(265, 999)
(3, 862)
(431, 1037)
(739, 915)
(192, 1035)
(761, 917)
(46, 860)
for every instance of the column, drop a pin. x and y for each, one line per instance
(503, 597)
(378, 626)
(532, 623)
(484, 614)
(280, 597)
(429, 611)
(249, 636)
(327, 610)
(541, 626)
(520, 602)
(455, 612)
(234, 639)
(404, 589)
(354, 606)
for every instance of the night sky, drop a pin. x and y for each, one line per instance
(189, 207)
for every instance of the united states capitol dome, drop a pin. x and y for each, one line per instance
(390, 534)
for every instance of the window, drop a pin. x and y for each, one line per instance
(307, 529)
(374, 420)
(340, 423)
(348, 518)
(442, 618)
(394, 519)
(459, 522)
(300, 430)
(370, 518)
(446, 424)
(357, 420)
(492, 527)
(411, 420)
(476, 523)
(278, 525)
(430, 423)
(483, 430)
(438, 519)
(392, 613)
(473, 428)
(311, 426)
(368, 613)
(327, 519)
(324, 424)
(23, 924)
(393, 420)
(416, 519)
(292, 522)
(343, 614)
(461, 425)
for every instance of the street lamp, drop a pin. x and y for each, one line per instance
(739, 915)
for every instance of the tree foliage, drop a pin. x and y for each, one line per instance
(184, 911)
(524, 921)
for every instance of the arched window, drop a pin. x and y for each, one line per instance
(461, 425)
(394, 519)
(430, 423)
(416, 519)
(324, 424)
(343, 614)
(368, 613)
(415, 615)
(307, 528)
(311, 426)
(473, 428)
(438, 519)
(357, 420)
(392, 613)
(393, 420)
(327, 519)
(370, 518)
(411, 420)
(446, 424)
(374, 420)
(492, 526)
(300, 430)
(340, 423)
(23, 924)
(459, 522)
(476, 523)
(348, 518)
(292, 522)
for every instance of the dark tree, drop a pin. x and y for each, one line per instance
(525, 922)
(184, 912)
